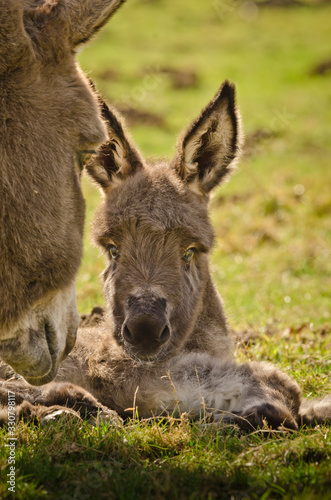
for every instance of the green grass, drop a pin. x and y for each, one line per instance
(271, 261)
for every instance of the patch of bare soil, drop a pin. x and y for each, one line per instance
(108, 74)
(249, 336)
(280, 3)
(180, 79)
(292, 3)
(253, 140)
(228, 199)
(322, 68)
(136, 116)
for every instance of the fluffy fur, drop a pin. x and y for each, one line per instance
(164, 345)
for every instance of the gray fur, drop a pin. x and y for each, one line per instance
(164, 346)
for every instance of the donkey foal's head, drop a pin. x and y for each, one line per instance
(155, 229)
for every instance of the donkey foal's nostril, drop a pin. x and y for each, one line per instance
(165, 335)
(127, 335)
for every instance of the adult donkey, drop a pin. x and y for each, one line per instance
(49, 117)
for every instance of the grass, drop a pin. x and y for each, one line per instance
(271, 260)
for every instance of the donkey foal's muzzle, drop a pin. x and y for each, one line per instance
(146, 329)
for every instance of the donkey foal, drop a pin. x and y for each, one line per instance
(164, 345)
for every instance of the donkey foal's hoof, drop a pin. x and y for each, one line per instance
(106, 417)
(55, 415)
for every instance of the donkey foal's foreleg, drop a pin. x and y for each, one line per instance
(76, 398)
(17, 402)
(51, 401)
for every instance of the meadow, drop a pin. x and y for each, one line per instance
(160, 62)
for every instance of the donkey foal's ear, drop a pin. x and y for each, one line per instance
(211, 144)
(116, 159)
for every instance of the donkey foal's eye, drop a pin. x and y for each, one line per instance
(189, 254)
(113, 251)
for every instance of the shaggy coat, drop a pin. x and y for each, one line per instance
(49, 120)
(164, 345)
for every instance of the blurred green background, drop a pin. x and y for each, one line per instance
(160, 62)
